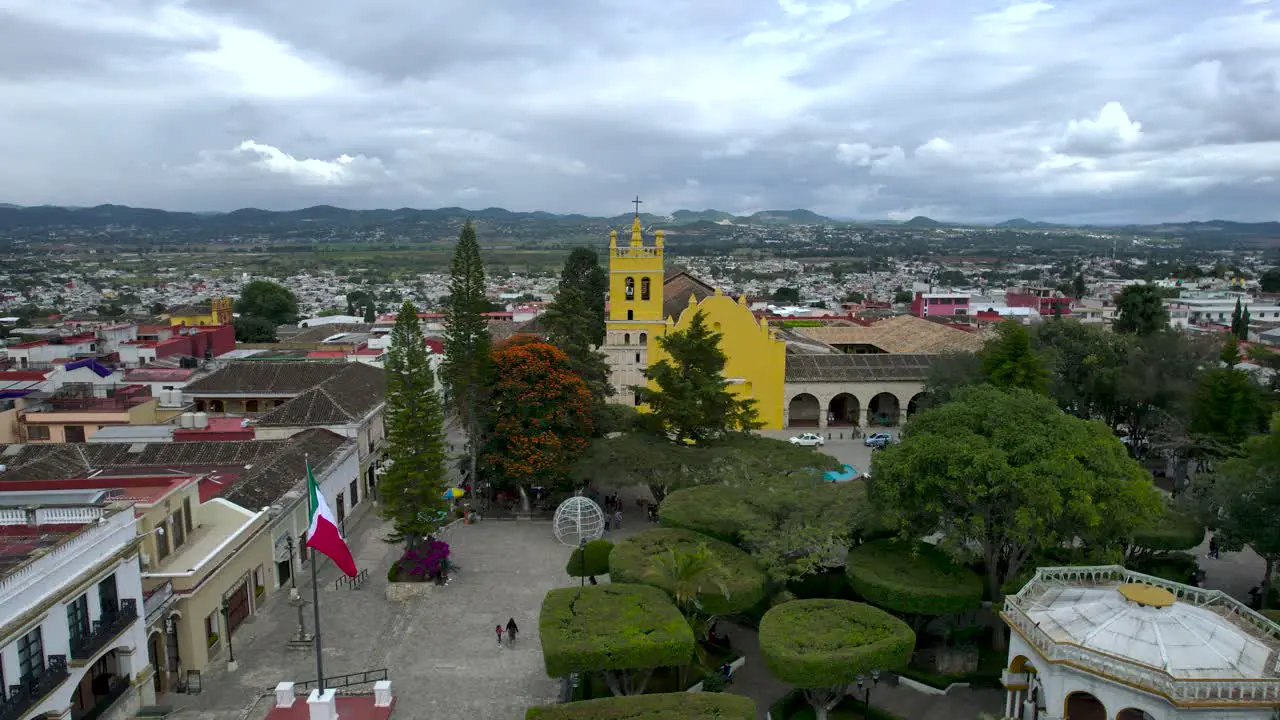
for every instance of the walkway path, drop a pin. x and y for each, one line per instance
(441, 651)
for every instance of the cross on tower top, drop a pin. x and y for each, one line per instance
(637, 203)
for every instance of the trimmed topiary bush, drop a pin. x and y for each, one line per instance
(821, 646)
(597, 560)
(912, 578)
(720, 511)
(635, 560)
(620, 629)
(663, 706)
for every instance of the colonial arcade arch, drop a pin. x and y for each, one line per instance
(844, 411)
(884, 409)
(1083, 706)
(803, 411)
(918, 402)
(1134, 714)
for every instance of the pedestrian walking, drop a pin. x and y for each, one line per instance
(1214, 547)
(617, 520)
(499, 631)
(512, 629)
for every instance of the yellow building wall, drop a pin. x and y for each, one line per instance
(754, 355)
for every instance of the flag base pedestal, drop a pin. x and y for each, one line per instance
(232, 666)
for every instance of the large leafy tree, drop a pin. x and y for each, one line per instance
(1141, 310)
(537, 421)
(1244, 501)
(412, 486)
(265, 299)
(792, 527)
(822, 646)
(1085, 364)
(735, 459)
(1008, 473)
(1228, 406)
(467, 363)
(692, 401)
(254, 329)
(1009, 361)
(574, 320)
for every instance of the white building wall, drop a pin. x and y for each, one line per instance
(52, 576)
(1057, 682)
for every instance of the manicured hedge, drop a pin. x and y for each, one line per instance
(720, 511)
(828, 643)
(634, 558)
(612, 627)
(1171, 532)
(597, 560)
(912, 578)
(663, 706)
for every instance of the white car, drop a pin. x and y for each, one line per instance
(808, 440)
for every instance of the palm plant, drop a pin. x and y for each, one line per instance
(687, 575)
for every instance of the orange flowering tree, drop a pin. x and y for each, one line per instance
(539, 416)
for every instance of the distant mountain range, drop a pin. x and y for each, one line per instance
(246, 220)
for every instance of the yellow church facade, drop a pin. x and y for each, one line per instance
(216, 312)
(645, 303)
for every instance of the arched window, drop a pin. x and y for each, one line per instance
(626, 338)
(644, 338)
(631, 288)
(644, 288)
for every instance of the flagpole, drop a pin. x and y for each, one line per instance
(315, 592)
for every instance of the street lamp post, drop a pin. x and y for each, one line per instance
(865, 687)
(226, 627)
(293, 570)
(582, 551)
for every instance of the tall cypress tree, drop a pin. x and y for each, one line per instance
(466, 341)
(582, 272)
(1244, 325)
(575, 320)
(412, 487)
(1236, 317)
(692, 401)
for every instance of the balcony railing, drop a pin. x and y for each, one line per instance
(154, 604)
(104, 630)
(1179, 691)
(117, 688)
(28, 693)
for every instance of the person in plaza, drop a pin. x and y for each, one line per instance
(617, 519)
(1214, 548)
(499, 631)
(512, 629)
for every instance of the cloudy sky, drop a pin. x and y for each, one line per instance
(1082, 110)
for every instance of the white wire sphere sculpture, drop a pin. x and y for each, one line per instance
(578, 519)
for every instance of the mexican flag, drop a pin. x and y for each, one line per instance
(323, 534)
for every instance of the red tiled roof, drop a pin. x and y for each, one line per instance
(326, 354)
(23, 375)
(141, 375)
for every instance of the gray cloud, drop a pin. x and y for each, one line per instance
(979, 110)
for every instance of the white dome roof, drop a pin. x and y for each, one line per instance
(1184, 640)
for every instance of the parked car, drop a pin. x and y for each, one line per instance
(808, 440)
(878, 440)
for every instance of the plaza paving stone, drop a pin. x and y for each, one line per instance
(441, 651)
